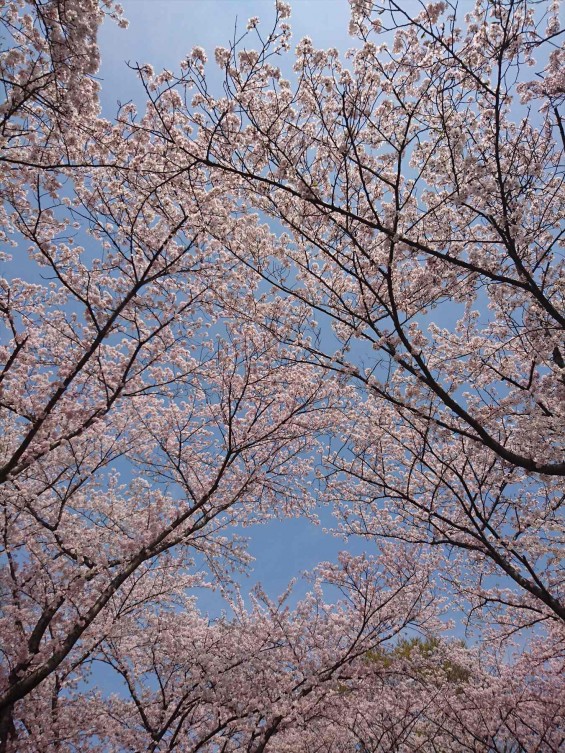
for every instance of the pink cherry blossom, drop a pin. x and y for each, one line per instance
(345, 288)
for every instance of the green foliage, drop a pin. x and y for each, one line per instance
(413, 651)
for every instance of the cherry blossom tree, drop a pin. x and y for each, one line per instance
(319, 677)
(130, 361)
(420, 188)
(265, 676)
(50, 96)
(363, 264)
(141, 418)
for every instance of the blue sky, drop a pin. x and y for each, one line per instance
(161, 32)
